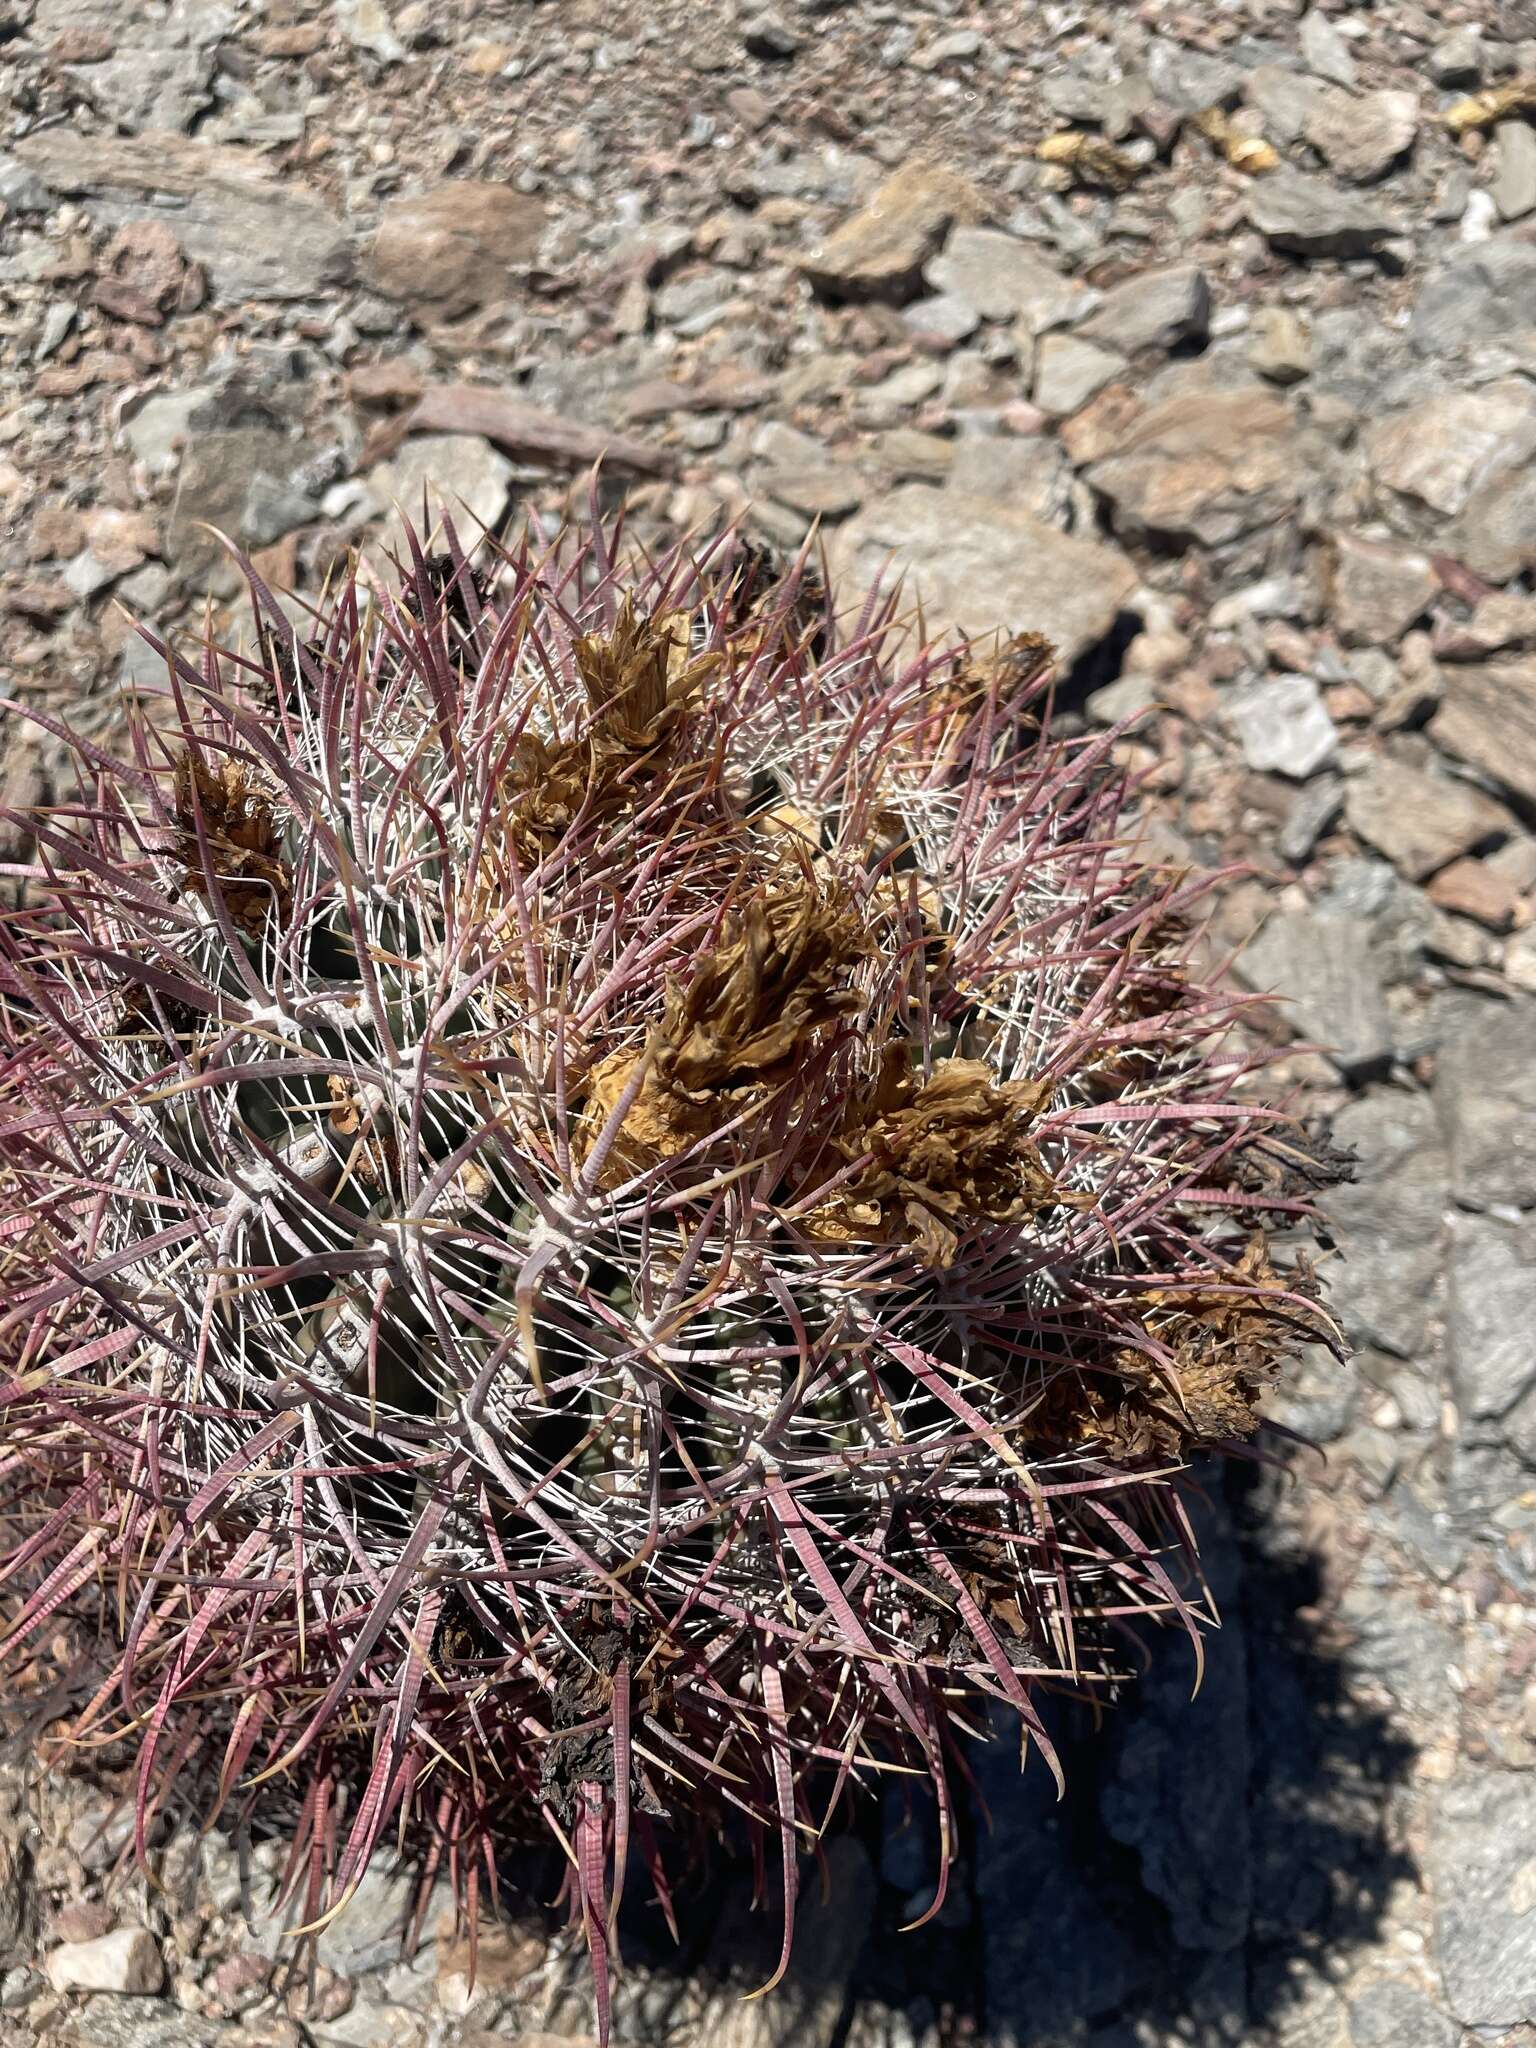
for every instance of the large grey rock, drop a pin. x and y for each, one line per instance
(1487, 717)
(1514, 181)
(1481, 1864)
(1282, 725)
(1419, 820)
(1324, 51)
(1006, 279)
(979, 564)
(1480, 291)
(1324, 970)
(1432, 457)
(1389, 1220)
(1207, 466)
(255, 238)
(1190, 80)
(1491, 1324)
(1156, 309)
(1485, 1092)
(1308, 216)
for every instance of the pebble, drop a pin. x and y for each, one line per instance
(126, 1961)
(1281, 725)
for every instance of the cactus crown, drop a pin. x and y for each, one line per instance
(616, 1202)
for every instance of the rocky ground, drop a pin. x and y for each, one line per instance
(1234, 394)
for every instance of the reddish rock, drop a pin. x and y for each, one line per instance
(454, 248)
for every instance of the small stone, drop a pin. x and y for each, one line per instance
(367, 26)
(1514, 180)
(1505, 620)
(824, 491)
(126, 1962)
(1309, 216)
(1471, 888)
(1418, 820)
(1281, 725)
(1376, 591)
(1361, 135)
(453, 248)
(945, 318)
(1491, 1316)
(1279, 346)
(1157, 309)
(1324, 969)
(879, 252)
(1487, 718)
(1068, 372)
(1324, 51)
(771, 38)
(1459, 59)
(1005, 279)
(1282, 99)
(1315, 810)
(1127, 697)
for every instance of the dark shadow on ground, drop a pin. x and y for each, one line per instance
(1204, 1850)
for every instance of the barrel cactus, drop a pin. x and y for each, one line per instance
(621, 1207)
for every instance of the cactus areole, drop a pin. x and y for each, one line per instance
(620, 1209)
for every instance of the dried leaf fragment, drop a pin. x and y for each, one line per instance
(244, 841)
(1497, 103)
(1250, 154)
(1090, 159)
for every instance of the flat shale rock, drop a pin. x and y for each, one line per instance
(460, 474)
(1477, 292)
(1322, 968)
(1006, 279)
(980, 565)
(1419, 820)
(255, 238)
(1491, 1319)
(1208, 466)
(452, 248)
(1487, 717)
(879, 252)
(1485, 1092)
(1157, 309)
(1390, 1218)
(1308, 216)
(1481, 1865)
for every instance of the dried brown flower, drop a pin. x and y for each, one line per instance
(1250, 154)
(1498, 103)
(1090, 159)
(244, 841)
(938, 1154)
